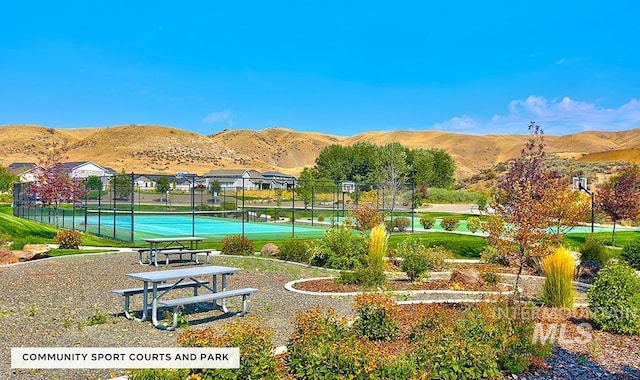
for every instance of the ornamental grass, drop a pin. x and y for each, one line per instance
(559, 269)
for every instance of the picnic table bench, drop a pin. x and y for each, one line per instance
(155, 287)
(168, 246)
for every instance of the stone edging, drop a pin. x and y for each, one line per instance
(289, 286)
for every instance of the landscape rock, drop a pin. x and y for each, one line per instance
(468, 276)
(270, 249)
(7, 257)
(32, 252)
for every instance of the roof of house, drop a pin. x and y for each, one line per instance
(21, 167)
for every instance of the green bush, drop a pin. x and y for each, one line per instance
(321, 218)
(254, 341)
(377, 316)
(427, 222)
(158, 374)
(449, 223)
(593, 249)
(340, 248)
(294, 250)
(417, 254)
(236, 245)
(415, 265)
(479, 341)
(491, 278)
(631, 254)
(474, 224)
(614, 299)
(368, 277)
(68, 239)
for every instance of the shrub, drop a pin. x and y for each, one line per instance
(449, 223)
(236, 245)
(366, 216)
(401, 223)
(474, 224)
(631, 254)
(491, 278)
(367, 277)
(68, 239)
(5, 239)
(477, 342)
(254, 341)
(594, 250)
(294, 250)
(427, 222)
(321, 218)
(377, 316)
(340, 249)
(158, 374)
(614, 299)
(437, 257)
(415, 265)
(559, 269)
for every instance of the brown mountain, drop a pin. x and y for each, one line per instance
(159, 149)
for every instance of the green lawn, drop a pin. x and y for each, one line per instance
(462, 246)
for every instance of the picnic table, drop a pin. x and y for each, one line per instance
(172, 245)
(156, 285)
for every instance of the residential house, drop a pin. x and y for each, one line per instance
(232, 179)
(277, 180)
(26, 171)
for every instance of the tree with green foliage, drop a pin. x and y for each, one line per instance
(432, 167)
(304, 188)
(121, 185)
(332, 162)
(7, 179)
(214, 189)
(94, 183)
(619, 197)
(162, 185)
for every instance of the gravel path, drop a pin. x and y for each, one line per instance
(47, 302)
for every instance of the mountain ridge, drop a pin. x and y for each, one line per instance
(162, 149)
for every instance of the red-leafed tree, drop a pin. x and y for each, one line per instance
(53, 186)
(619, 197)
(523, 204)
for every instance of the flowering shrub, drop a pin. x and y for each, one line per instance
(236, 245)
(68, 239)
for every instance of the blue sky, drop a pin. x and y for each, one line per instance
(336, 67)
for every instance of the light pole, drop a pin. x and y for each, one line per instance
(582, 185)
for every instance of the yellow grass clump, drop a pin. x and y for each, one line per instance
(378, 245)
(559, 269)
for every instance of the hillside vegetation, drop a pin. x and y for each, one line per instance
(160, 149)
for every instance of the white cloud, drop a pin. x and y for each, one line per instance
(219, 117)
(558, 116)
(560, 61)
